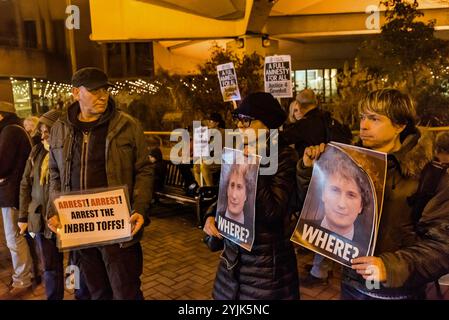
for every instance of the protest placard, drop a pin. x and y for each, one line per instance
(228, 82)
(200, 142)
(237, 196)
(277, 76)
(339, 219)
(375, 163)
(93, 217)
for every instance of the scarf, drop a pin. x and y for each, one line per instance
(44, 166)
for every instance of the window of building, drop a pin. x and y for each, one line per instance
(114, 60)
(22, 97)
(8, 26)
(322, 81)
(29, 28)
(144, 59)
(138, 57)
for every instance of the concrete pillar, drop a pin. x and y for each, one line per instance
(19, 24)
(39, 26)
(45, 12)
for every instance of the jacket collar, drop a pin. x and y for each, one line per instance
(74, 110)
(416, 151)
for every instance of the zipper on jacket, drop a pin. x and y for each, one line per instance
(83, 167)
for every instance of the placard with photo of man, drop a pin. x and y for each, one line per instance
(341, 211)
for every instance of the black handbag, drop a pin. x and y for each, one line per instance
(213, 243)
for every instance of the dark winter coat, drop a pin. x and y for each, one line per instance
(413, 255)
(306, 132)
(33, 195)
(15, 146)
(269, 271)
(125, 156)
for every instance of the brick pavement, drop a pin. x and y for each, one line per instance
(177, 265)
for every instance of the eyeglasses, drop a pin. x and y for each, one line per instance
(243, 119)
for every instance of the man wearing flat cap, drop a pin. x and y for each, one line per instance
(15, 146)
(272, 252)
(94, 145)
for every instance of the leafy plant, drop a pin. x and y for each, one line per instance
(196, 96)
(407, 56)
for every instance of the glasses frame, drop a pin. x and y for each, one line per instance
(243, 119)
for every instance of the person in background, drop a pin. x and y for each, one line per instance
(34, 189)
(155, 157)
(31, 126)
(306, 128)
(442, 148)
(432, 176)
(294, 114)
(15, 146)
(211, 172)
(160, 170)
(269, 270)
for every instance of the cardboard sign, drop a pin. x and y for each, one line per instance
(200, 142)
(277, 76)
(93, 218)
(228, 82)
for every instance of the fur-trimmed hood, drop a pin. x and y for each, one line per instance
(416, 151)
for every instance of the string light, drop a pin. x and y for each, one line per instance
(136, 86)
(40, 89)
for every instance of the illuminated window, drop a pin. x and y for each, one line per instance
(22, 97)
(322, 81)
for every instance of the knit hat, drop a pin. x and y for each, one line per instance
(264, 107)
(7, 107)
(156, 153)
(306, 96)
(50, 117)
(215, 116)
(91, 78)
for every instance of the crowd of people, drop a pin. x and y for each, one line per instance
(94, 145)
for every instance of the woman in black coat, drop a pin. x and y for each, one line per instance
(269, 271)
